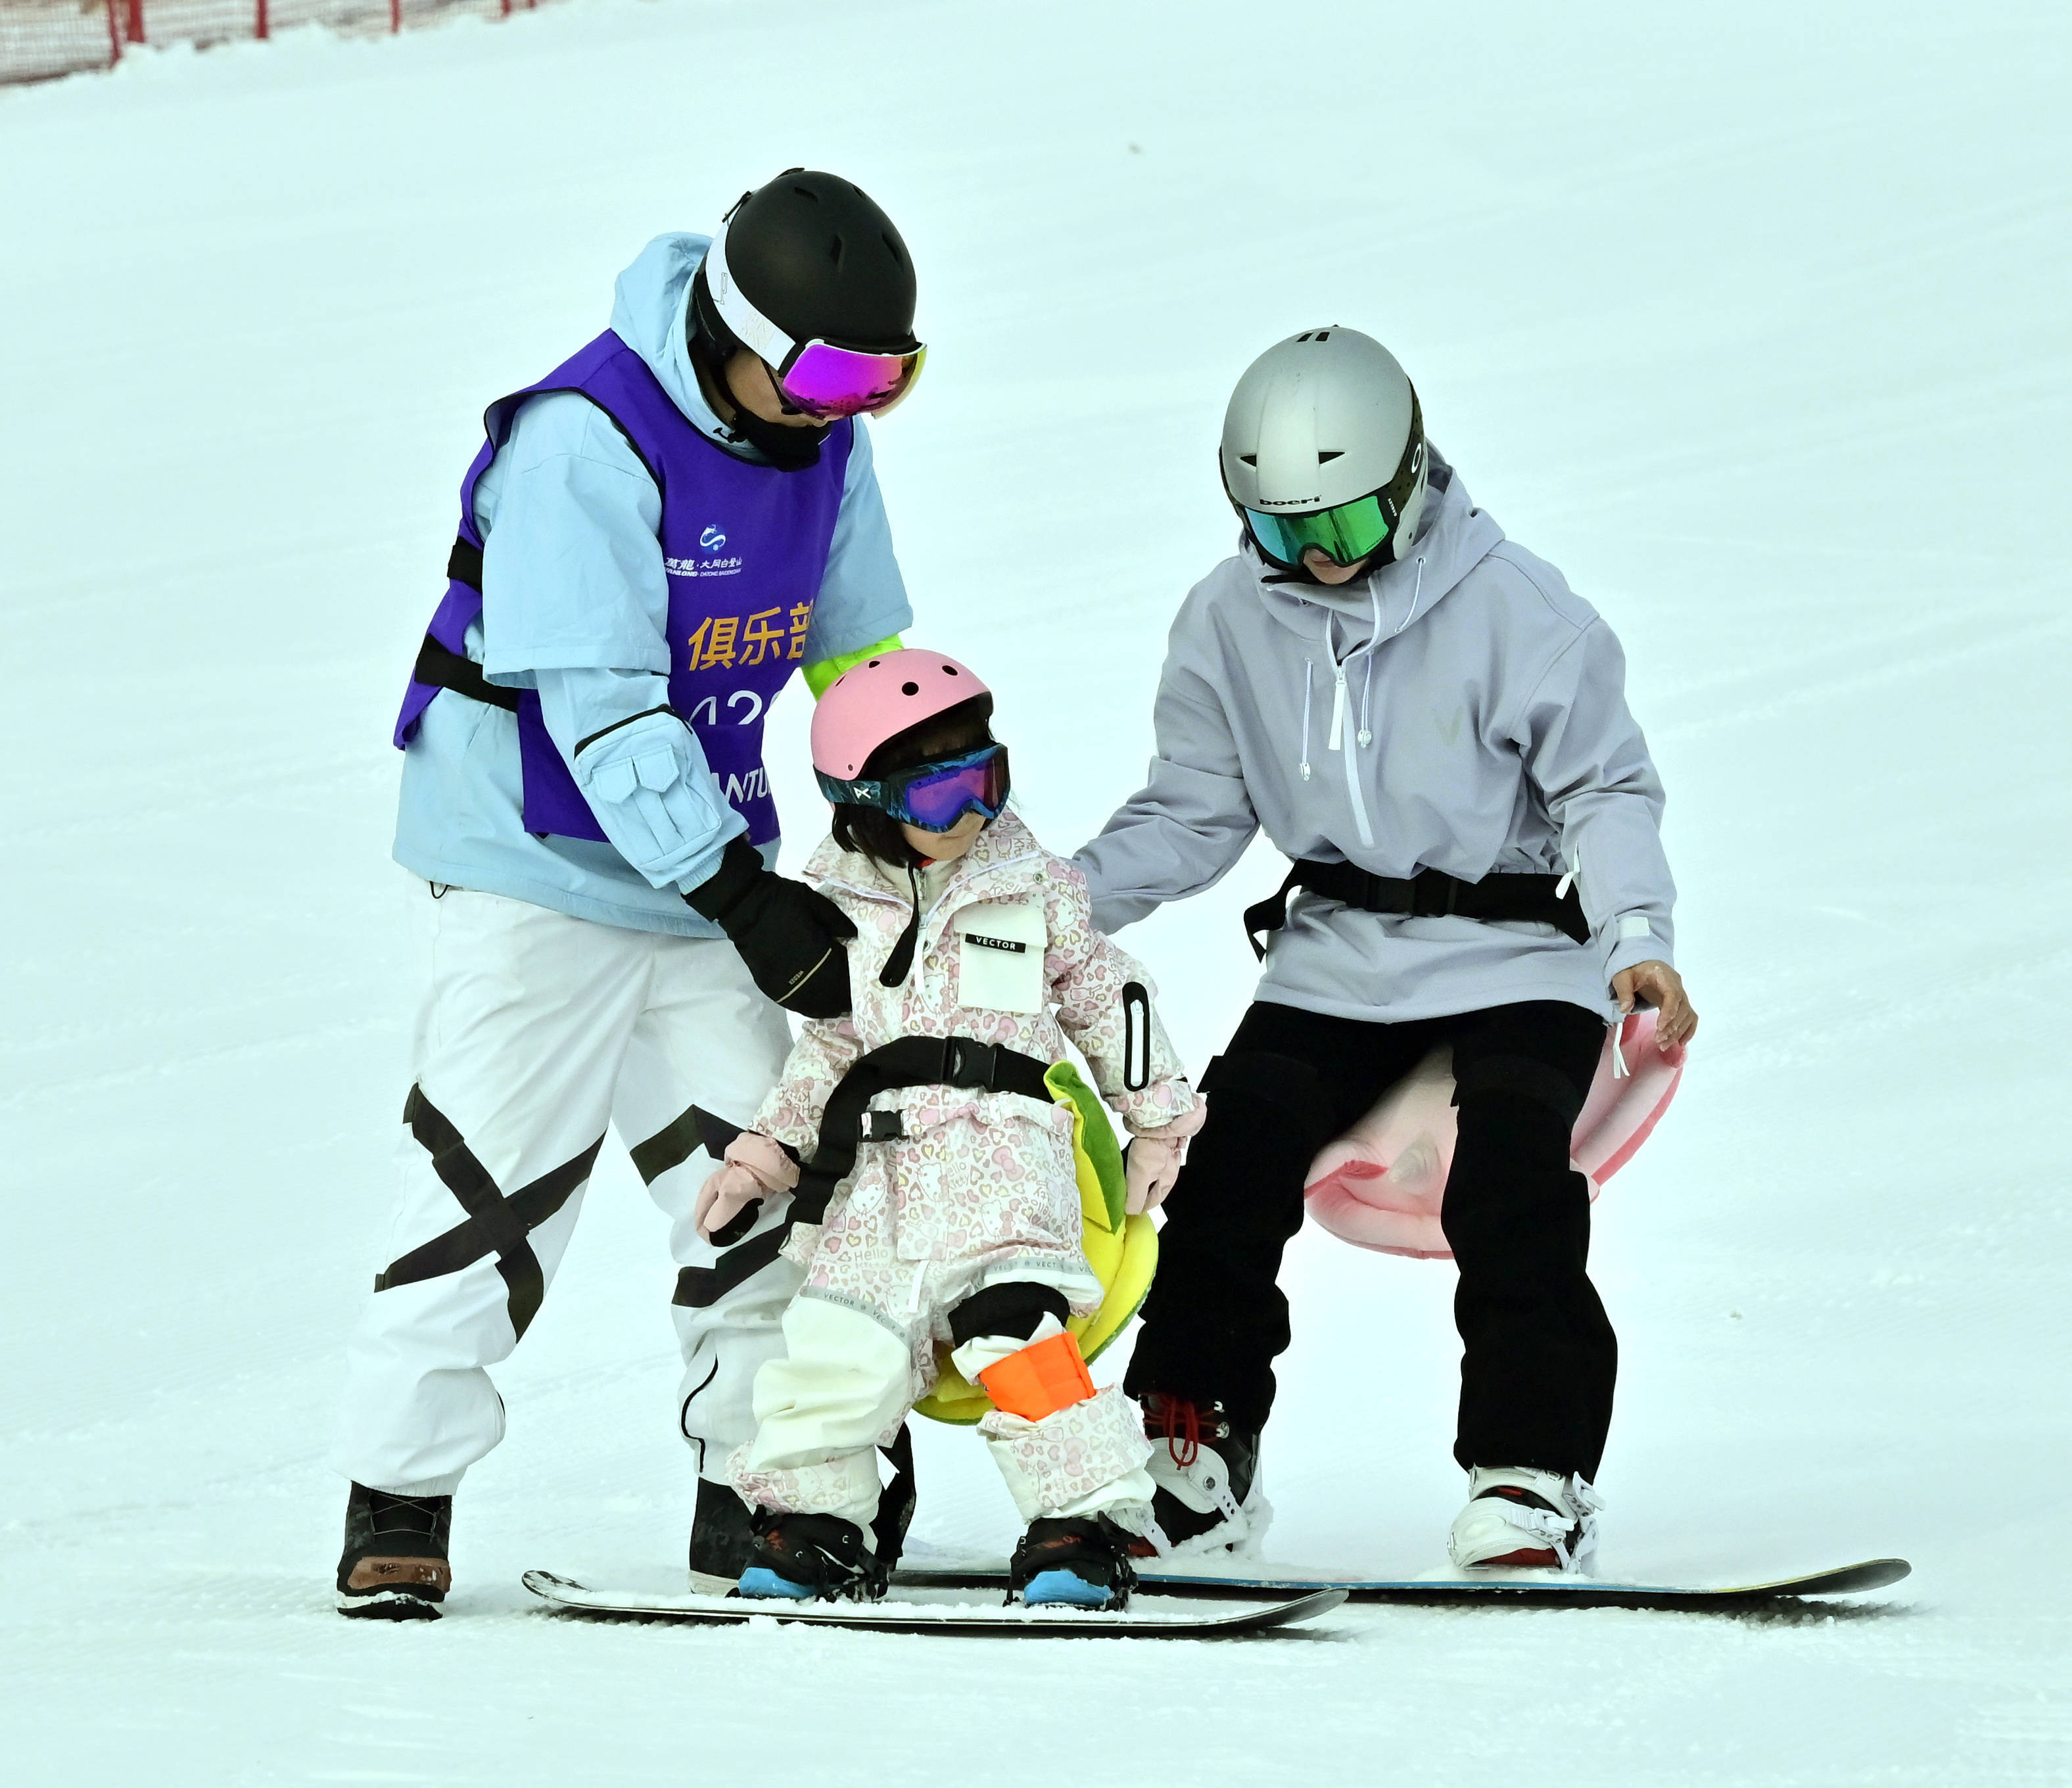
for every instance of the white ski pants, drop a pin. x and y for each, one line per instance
(538, 1032)
(847, 1378)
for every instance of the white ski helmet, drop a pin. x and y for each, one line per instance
(1324, 446)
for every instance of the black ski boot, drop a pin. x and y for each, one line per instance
(1205, 1466)
(1072, 1561)
(721, 1539)
(394, 1565)
(810, 1558)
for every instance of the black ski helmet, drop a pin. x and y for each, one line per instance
(818, 257)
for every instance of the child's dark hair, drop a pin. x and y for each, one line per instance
(871, 830)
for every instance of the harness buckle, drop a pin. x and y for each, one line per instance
(884, 1127)
(969, 1064)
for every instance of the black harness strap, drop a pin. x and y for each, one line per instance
(439, 667)
(443, 669)
(961, 1061)
(464, 564)
(896, 1501)
(495, 1224)
(1430, 894)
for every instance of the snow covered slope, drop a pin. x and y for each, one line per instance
(1751, 318)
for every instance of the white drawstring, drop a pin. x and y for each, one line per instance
(1620, 1070)
(1569, 875)
(1417, 590)
(1308, 666)
(1365, 735)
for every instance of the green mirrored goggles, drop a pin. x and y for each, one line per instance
(1344, 535)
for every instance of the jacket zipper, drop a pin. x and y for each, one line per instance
(1337, 738)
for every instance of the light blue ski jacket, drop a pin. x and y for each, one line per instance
(575, 602)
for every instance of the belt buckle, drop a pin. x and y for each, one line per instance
(884, 1127)
(969, 1064)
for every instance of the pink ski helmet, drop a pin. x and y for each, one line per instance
(870, 702)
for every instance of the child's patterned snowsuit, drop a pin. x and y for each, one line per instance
(980, 1191)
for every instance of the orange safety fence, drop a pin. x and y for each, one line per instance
(40, 39)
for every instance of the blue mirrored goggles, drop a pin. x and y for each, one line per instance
(930, 796)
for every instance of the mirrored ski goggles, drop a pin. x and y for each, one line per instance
(825, 380)
(933, 796)
(1344, 535)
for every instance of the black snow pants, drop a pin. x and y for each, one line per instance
(1539, 1357)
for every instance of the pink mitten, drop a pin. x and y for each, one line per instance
(755, 1167)
(1154, 1158)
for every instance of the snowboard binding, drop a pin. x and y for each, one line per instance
(810, 1558)
(1206, 1468)
(1079, 1561)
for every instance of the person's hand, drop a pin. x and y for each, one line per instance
(756, 1168)
(729, 1191)
(790, 935)
(1657, 984)
(1154, 1159)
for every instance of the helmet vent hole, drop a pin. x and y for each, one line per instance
(1249, 459)
(1335, 453)
(876, 662)
(909, 688)
(949, 670)
(835, 251)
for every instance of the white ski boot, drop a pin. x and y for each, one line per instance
(1206, 1468)
(1517, 1518)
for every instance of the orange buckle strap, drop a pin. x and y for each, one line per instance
(1040, 1380)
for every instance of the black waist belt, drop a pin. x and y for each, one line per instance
(1430, 894)
(961, 1062)
(440, 668)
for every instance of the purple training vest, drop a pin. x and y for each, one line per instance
(745, 548)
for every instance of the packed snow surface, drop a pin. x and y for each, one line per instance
(1751, 318)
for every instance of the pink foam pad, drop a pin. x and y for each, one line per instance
(1380, 1184)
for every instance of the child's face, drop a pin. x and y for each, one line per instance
(947, 847)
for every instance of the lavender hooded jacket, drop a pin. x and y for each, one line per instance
(1462, 710)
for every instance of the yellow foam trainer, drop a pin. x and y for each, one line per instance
(1123, 1251)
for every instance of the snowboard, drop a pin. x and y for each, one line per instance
(905, 1611)
(1542, 1588)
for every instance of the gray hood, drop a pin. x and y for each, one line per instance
(1461, 709)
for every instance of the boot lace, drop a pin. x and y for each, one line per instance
(1180, 1427)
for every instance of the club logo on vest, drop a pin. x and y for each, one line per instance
(712, 542)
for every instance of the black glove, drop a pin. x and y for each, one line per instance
(790, 935)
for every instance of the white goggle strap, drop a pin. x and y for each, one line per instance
(757, 332)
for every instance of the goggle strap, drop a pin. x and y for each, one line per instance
(757, 332)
